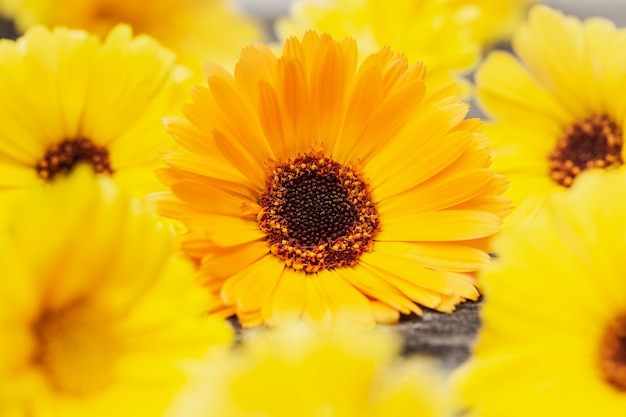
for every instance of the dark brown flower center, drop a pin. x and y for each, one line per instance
(594, 142)
(62, 157)
(317, 213)
(613, 354)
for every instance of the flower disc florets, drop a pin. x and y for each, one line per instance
(62, 157)
(594, 142)
(317, 213)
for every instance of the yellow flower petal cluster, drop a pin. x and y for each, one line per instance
(197, 30)
(554, 323)
(558, 107)
(314, 187)
(66, 97)
(95, 316)
(293, 372)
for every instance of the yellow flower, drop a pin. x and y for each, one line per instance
(558, 109)
(197, 30)
(95, 315)
(448, 35)
(554, 323)
(293, 372)
(311, 186)
(66, 98)
(425, 30)
(489, 21)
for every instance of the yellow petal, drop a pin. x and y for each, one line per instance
(237, 288)
(346, 300)
(317, 308)
(411, 288)
(398, 260)
(365, 99)
(438, 193)
(248, 134)
(385, 314)
(293, 93)
(376, 287)
(395, 173)
(225, 261)
(509, 93)
(287, 301)
(438, 255)
(224, 230)
(207, 198)
(439, 226)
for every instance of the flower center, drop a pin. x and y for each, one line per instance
(62, 157)
(317, 213)
(613, 353)
(75, 349)
(594, 142)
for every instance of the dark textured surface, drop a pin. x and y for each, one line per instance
(7, 29)
(448, 337)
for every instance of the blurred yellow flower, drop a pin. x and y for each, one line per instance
(66, 98)
(95, 316)
(558, 109)
(315, 187)
(553, 340)
(293, 372)
(489, 21)
(425, 30)
(447, 35)
(197, 30)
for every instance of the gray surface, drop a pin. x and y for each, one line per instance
(446, 336)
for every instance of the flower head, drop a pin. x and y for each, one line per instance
(311, 185)
(195, 29)
(67, 98)
(95, 313)
(558, 108)
(554, 322)
(293, 372)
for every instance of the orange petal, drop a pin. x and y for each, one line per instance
(439, 226)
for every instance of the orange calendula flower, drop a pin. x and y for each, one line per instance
(315, 187)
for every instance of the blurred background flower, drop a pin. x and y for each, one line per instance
(431, 31)
(294, 372)
(96, 316)
(66, 98)
(197, 30)
(553, 340)
(557, 109)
